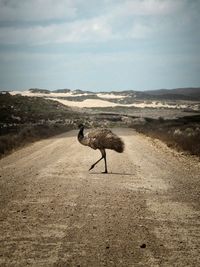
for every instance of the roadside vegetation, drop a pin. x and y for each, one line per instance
(27, 119)
(182, 134)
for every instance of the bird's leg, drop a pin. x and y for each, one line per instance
(96, 162)
(103, 153)
(104, 156)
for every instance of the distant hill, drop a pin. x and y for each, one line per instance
(37, 90)
(189, 93)
(178, 91)
(61, 91)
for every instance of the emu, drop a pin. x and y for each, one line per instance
(101, 139)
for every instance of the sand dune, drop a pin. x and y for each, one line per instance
(52, 94)
(88, 103)
(111, 96)
(68, 94)
(91, 103)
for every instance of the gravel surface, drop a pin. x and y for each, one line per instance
(54, 212)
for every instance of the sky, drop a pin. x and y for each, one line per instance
(99, 45)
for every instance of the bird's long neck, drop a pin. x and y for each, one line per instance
(80, 134)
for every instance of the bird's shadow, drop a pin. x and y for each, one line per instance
(112, 173)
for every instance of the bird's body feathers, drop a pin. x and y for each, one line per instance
(103, 139)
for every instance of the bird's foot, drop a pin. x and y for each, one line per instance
(91, 167)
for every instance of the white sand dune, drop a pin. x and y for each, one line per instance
(52, 94)
(102, 95)
(68, 94)
(91, 103)
(88, 103)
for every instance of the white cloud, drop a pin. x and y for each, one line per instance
(148, 7)
(11, 10)
(139, 31)
(92, 30)
(131, 19)
(42, 10)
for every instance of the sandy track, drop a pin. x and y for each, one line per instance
(56, 213)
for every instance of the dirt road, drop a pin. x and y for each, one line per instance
(54, 212)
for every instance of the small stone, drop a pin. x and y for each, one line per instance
(143, 246)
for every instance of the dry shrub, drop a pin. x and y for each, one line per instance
(29, 134)
(182, 134)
